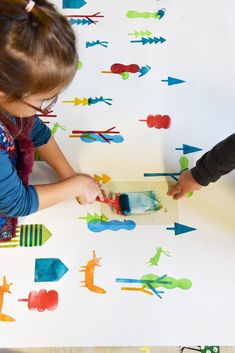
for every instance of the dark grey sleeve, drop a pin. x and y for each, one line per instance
(215, 163)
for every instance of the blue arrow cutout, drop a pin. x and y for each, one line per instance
(73, 4)
(188, 149)
(149, 40)
(49, 270)
(181, 228)
(173, 81)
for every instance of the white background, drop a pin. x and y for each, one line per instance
(200, 50)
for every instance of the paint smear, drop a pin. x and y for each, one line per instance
(100, 226)
(182, 283)
(97, 138)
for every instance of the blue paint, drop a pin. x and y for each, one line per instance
(149, 40)
(144, 70)
(188, 149)
(141, 202)
(97, 138)
(172, 175)
(161, 13)
(78, 22)
(147, 282)
(101, 99)
(181, 228)
(49, 270)
(73, 4)
(173, 81)
(97, 42)
(100, 226)
(157, 292)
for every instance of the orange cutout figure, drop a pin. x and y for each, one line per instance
(5, 288)
(89, 274)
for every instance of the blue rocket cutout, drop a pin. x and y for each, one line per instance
(73, 4)
(173, 81)
(181, 228)
(188, 149)
(49, 270)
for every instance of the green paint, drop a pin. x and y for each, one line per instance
(182, 283)
(140, 34)
(95, 218)
(136, 14)
(125, 75)
(155, 259)
(79, 65)
(184, 163)
(56, 126)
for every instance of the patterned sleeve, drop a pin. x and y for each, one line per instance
(15, 199)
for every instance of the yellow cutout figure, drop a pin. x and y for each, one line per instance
(5, 288)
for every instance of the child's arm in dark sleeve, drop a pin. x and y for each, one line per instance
(15, 199)
(215, 163)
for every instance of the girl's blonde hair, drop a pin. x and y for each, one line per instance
(37, 49)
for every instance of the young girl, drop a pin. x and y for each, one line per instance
(38, 60)
(209, 168)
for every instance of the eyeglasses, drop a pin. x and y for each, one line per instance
(46, 106)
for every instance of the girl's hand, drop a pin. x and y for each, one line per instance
(185, 184)
(89, 190)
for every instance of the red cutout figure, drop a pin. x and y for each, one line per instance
(42, 300)
(158, 121)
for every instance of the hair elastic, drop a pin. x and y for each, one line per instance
(29, 6)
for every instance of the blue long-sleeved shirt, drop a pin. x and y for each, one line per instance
(15, 198)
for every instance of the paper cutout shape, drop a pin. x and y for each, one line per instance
(96, 223)
(125, 70)
(49, 270)
(42, 300)
(136, 14)
(104, 179)
(173, 81)
(155, 259)
(158, 121)
(140, 34)
(28, 235)
(188, 149)
(89, 19)
(89, 101)
(149, 40)
(184, 163)
(4, 288)
(181, 229)
(103, 44)
(89, 270)
(73, 4)
(90, 136)
(151, 284)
